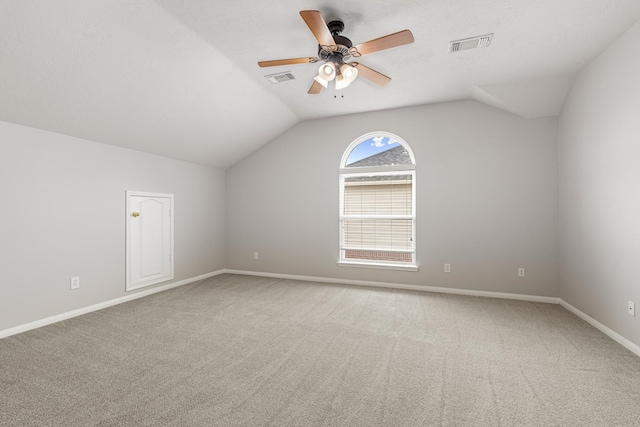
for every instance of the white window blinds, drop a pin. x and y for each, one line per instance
(378, 216)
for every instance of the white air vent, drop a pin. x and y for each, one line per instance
(280, 77)
(470, 43)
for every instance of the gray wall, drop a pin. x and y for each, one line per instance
(487, 199)
(63, 215)
(599, 156)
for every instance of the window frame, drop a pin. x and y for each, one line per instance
(346, 172)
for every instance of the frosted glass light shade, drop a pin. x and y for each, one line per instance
(349, 73)
(322, 81)
(327, 71)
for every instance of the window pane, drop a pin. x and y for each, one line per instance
(380, 234)
(378, 195)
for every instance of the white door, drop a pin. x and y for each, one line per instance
(149, 239)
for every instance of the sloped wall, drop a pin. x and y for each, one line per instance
(63, 215)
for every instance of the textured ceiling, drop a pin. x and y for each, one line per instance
(179, 78)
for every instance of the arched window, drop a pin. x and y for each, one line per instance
(377, 203)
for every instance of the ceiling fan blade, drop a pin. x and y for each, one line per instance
(315, 88)
(387, 42)
(371, 75)
(276, 62)
(318, 27)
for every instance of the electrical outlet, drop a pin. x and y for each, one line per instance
(255, 255)
(521, 272)
(75, 283)
(447, 268)
(631, 309)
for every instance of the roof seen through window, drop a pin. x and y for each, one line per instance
(378, 151)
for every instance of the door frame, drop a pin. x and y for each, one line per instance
(129, 194)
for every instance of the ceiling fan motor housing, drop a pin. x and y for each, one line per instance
(343, 45)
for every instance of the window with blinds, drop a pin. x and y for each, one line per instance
(377, 202)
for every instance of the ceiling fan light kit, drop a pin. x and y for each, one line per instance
(343, 75)
(334, 50)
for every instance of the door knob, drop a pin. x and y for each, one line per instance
(136, 214)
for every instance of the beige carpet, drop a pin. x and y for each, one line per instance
(246, 351)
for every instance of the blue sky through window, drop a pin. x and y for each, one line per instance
(371, 146)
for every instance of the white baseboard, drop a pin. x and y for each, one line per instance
(551, 300)
(100, 306)
(607, 331)
(533, 298)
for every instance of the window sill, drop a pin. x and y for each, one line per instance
(409, 267)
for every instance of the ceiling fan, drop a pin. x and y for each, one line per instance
(334, 50)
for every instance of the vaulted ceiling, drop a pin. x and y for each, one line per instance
(179, 78)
